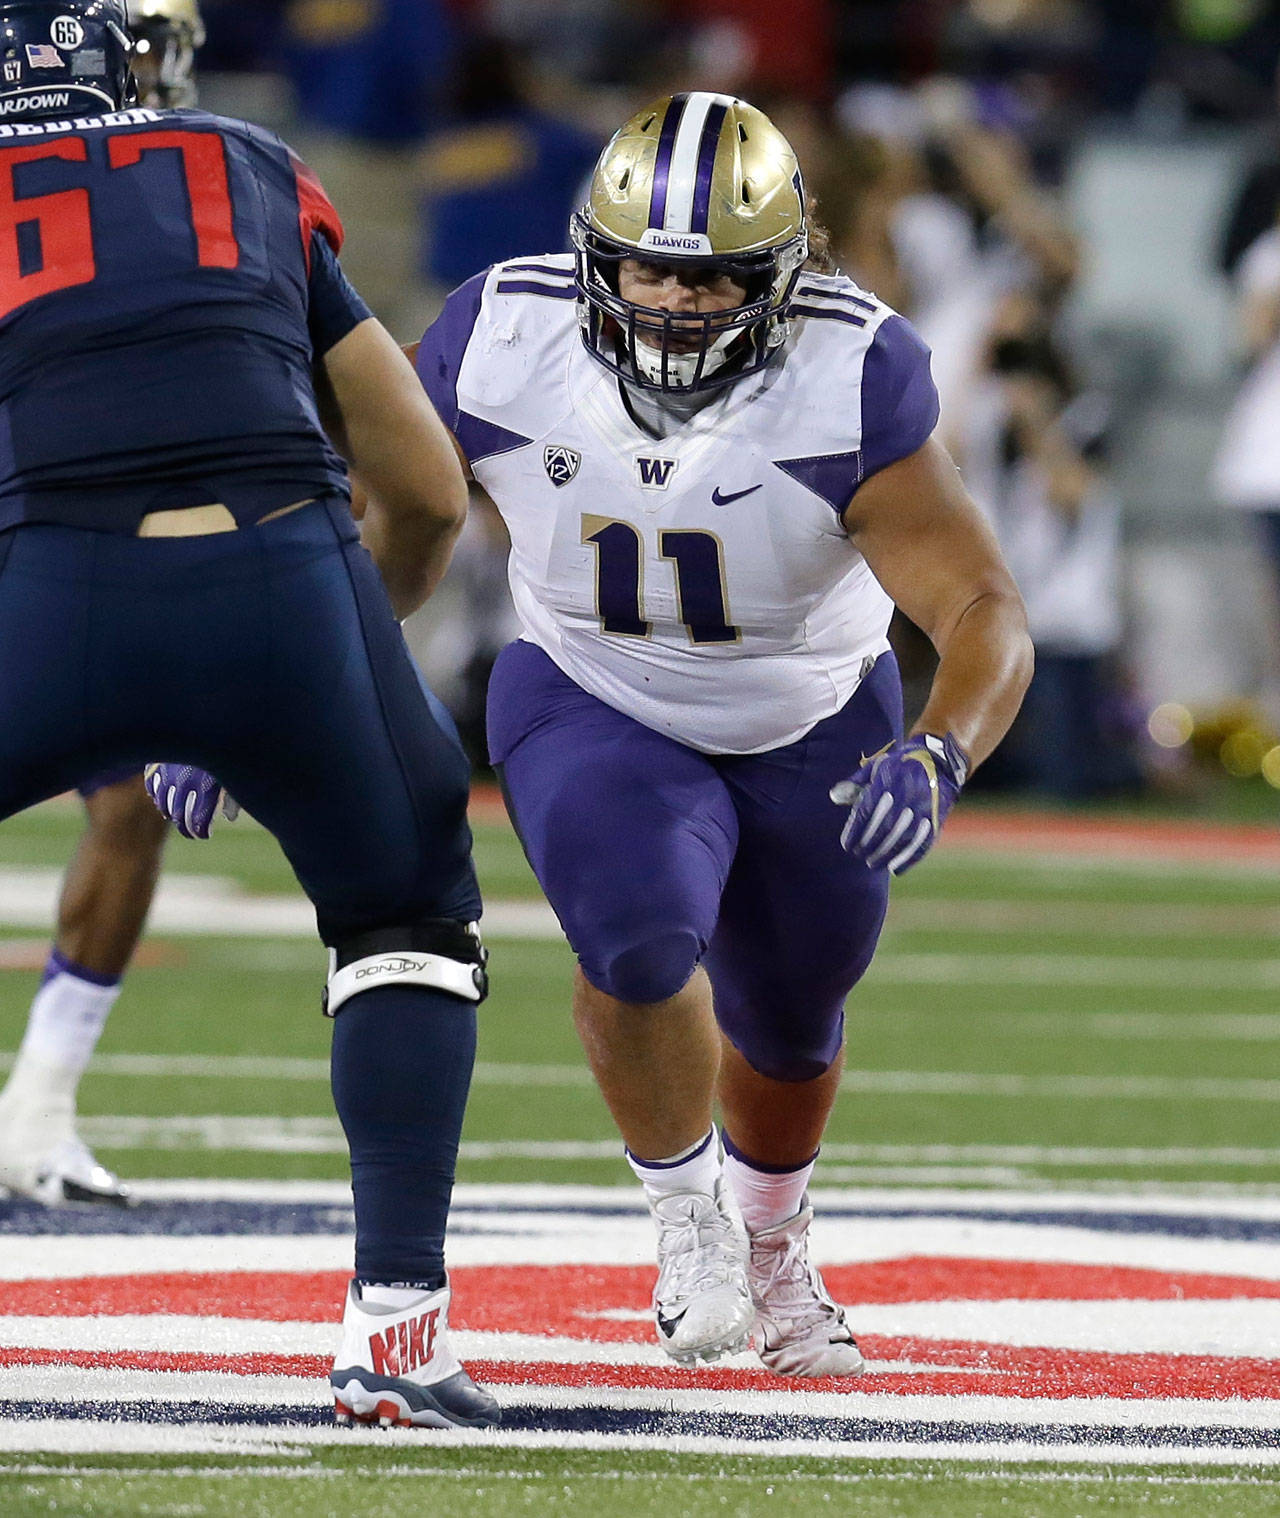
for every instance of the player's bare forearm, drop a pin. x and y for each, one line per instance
(983, 672)
(405, 460)
(933, 551)
(412, 553)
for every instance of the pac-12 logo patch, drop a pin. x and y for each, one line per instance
(560, 463)
(67, 33)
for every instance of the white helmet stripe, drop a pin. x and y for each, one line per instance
(683, 178)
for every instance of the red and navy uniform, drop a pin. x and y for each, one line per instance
(166, 280)
(167, 283)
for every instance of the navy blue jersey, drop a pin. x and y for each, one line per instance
(167, 280)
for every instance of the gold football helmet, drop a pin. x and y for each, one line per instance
(167, 34)
(702, 180)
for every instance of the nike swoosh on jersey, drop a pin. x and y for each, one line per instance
(734, 495)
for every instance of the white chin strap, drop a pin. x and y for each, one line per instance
(682, 367)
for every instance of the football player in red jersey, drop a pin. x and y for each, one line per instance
(185, 375)
(110, 882)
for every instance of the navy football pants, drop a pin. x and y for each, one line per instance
(268, 656)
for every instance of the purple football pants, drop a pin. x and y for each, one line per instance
(657, 858)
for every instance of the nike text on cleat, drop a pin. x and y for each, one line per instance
(702, 1301)
(395, 1367)
(799, 1330)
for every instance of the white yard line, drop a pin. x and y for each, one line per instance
(1111, 919)
(1159, 1027)
(216, 905)
(877, 1082)
(554, 1225)
(586, 1200)
(1240, 1329)
(1069, 970)
(322, 1135)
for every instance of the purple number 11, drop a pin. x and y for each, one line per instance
(701, 594)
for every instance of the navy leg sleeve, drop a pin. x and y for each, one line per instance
(401, 1069)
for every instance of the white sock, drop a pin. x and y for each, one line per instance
(766, 1197)
(392, 1296)
(694, 1169)
(63, 1029)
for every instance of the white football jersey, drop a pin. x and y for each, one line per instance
(701, 583)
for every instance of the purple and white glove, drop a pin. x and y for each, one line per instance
(899, 800)
(187, 797)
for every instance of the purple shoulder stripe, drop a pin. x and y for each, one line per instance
(865, 302)
(832, 476)
(899, 398)
(443, 345)
(899, 411)
(824, 313)
(479, 439)
(538, 268)
(532, 287)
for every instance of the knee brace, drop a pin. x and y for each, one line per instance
(439, 953)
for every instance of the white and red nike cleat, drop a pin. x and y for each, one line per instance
(395, 1367)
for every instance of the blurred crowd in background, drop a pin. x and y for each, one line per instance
(1076, 202)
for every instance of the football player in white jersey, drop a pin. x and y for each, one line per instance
(109, 884)
(717, 467)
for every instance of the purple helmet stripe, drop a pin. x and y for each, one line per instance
(662, 163)
(706, 167)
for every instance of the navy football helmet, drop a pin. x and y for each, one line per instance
(64, 57)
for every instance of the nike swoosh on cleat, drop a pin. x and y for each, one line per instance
(734, 495)
(669, 1325)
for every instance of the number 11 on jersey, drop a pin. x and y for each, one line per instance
(698, 558)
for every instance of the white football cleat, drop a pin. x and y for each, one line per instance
(41, 1156)
(799, 1330)
(395, 1368)
(702, 1300)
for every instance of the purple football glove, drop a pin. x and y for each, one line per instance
(899, 800)
(187, 797)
